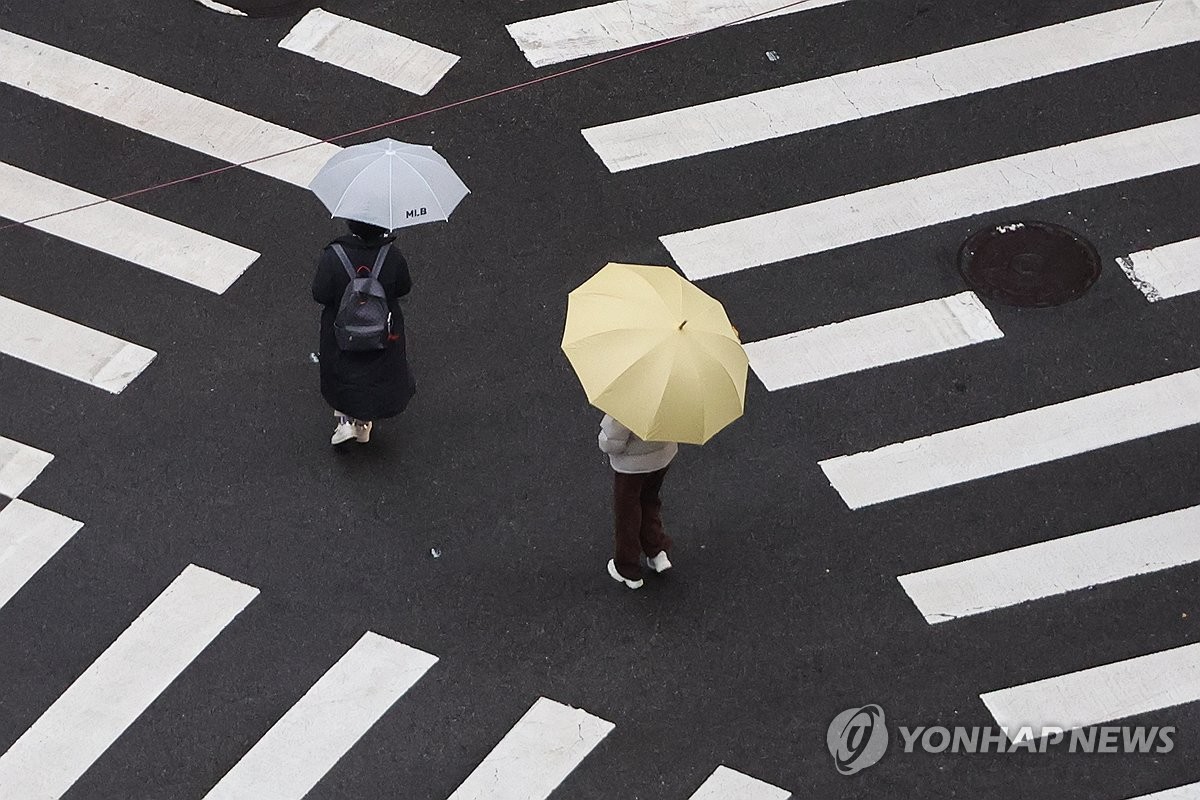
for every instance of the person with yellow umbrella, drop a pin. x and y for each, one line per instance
(661, 359)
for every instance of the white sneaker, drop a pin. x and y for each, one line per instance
(619, 578)
(362, 432)
(660, 563)
(344, 431)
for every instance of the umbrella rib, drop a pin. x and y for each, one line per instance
(432, 193)
(658, 295)
(350, 185)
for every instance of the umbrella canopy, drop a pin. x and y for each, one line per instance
(390, 184)
(656, 353)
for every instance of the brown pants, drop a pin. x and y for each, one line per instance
(637, 514)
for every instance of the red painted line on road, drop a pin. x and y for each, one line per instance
(446, 107)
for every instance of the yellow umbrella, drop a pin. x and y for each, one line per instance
(656, 353)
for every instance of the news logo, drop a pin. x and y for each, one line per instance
(857, 738)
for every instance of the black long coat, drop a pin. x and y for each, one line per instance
(373, 384)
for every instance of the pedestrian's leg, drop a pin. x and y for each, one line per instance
(652, 538)
(345, 430)
(627, 522)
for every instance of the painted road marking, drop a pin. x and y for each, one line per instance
(615, 26)
(29, 537)
(152, 108)
(69, 348)
(1189, 792)
(876, 90)
(728, 784)
(20, 465)
(224, 9)
(1166, 271)
(358, 47)
(874, 340)
(322, 727)
(148, 241)
(1055, 567)
(535, 756)
(119, 685)
(1021, 440)
(933, 199)
(1101, 694)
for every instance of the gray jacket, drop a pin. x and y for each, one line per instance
(629, 454)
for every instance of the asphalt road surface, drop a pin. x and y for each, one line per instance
(474, 529)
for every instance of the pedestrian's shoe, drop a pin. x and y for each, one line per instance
(362, 431)
(619, 578)
(660, 563)
(344, 431)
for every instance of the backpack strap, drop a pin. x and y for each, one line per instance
(341, 253)
(379, 259)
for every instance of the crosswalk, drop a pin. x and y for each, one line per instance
(542, 748)
(1169, 270)
(20, 465)
(1057, 566)
(886, 337)
(602, 28)
(68, 348)
(536, 755)
(1101, 694)
(334, 714)
(29, 538)
(971, 69)
(875, 213)
(352, 45)
(1189, 792)
(161, 111)
(159, 647)
(726, 784)
(85, 720)
(788, 238)
(1037, 436)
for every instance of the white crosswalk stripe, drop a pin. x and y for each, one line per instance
(1020, 440)
(224, 9)
(29, 537)
(1189, 792)
(20, 465)
(728, 784)
(604, 28)
(161, 111)
(1101, 694)
(358, 47)
(933, 199)
(887, 337)
(135, 236)
(1167, 271)
(68, 348)
(88, 717)
(334, 714)
(1061, 565)
(876, 90)
(537, 755)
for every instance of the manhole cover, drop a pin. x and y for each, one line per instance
(1028, 264)
(261, 8)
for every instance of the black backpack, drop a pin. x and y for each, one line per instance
(363, 321)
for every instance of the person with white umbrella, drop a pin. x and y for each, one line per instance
(378, 188)
(363, 385)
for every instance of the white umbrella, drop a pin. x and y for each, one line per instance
(390, 184)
